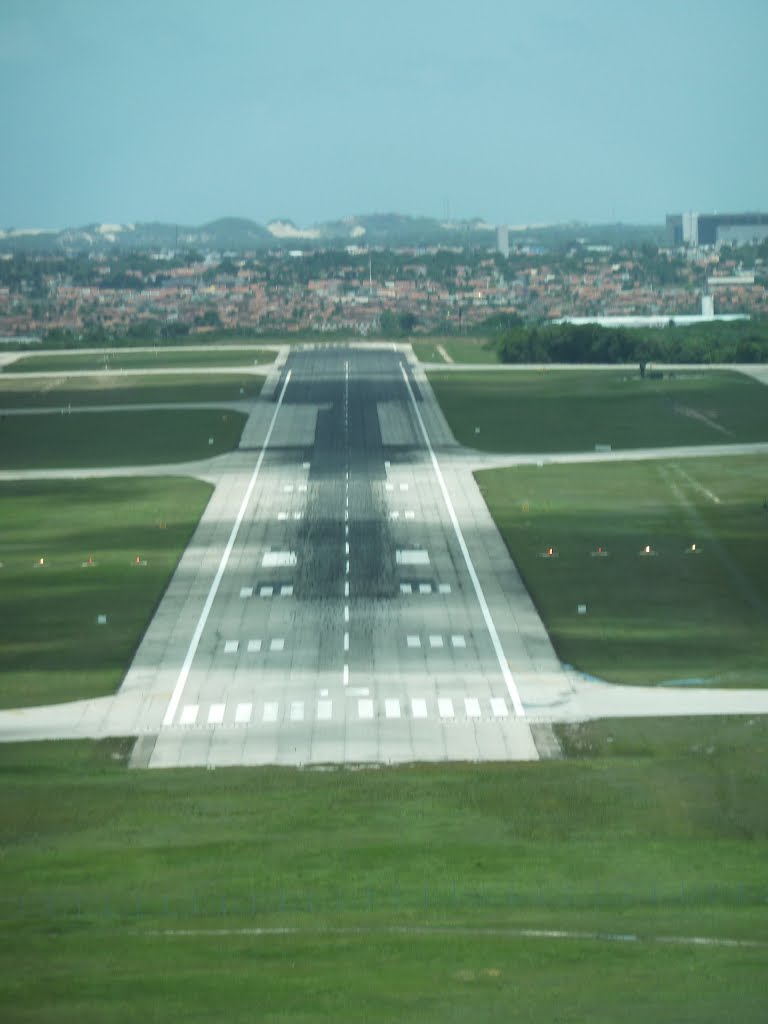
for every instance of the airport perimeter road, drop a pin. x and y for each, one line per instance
(338, 615)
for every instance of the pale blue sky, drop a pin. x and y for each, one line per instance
(520, 111)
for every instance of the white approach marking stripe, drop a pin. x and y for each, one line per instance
(419, 707)
(403, 487)
(230, 647)
(413, 641)
(346, 548)
(216, 714)
(392, 708)
(345, 676)
(445, 707)
(499, 707)
(435, 641)
(297, 710)
(346, 613)
(324, 710)
(500, 656)
(458, 640)
(266, 591)
(410, 515)
(254, 646)
(444, 588)
(270, 711)
(246, 591)
(181, 682)
(346, 588)
(278, 644)
(346, 641)
(286, 591)
(346, 568)
(406, 588)
(472, 707)
(282, 515)
(425, 588)
(365, 708)
(243, 714)
(189, 714)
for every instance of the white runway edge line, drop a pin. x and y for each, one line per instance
(509, 681)
(185, 668)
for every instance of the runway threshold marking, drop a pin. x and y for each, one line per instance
(490, 625)
(181, 682)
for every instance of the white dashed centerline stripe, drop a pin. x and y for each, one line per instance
(181, 682)
(490, 625)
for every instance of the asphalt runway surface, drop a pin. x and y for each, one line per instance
(343, 624)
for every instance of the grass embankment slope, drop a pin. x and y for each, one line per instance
(574, 410)
(51, 646)
(655, 832)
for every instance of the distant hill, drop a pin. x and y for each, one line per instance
(387, 230)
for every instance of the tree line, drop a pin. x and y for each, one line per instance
(719, 342)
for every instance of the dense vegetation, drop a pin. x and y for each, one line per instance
(716, 342)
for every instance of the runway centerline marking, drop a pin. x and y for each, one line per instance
(490, 625)
(181, 682)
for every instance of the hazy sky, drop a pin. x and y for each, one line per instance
(518, 111)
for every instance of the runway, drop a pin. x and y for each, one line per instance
(347, 598)
(343, 624)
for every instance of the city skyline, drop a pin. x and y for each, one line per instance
(519, 115)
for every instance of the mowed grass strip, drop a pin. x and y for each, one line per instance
(89, 535)
(471, 350)
(108, 439)
(157, 359)
(461, 350)
(575, 410)
(63, 392)
(659, 834)
(673, 615)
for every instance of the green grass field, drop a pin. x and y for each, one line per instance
(461, 350)
(158, 359)
(676, 615)
(131, 389)
(51, 646)
(573, 410)
(426, 352)
(152, 437)
(124, 893)
(470, 350)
